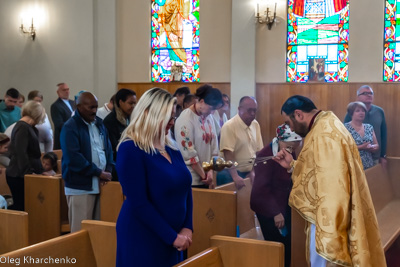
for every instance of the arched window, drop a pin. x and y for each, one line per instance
(317, 41)
(391, 53)
(175, 40)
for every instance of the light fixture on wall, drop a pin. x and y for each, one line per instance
(31, 30)
(268, 17)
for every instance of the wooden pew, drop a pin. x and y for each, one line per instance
(4, 189)
(93, 246)
(47, 207)
(111, 199)
(245, 219)
(214, 212)
(238, 252)
(384, 187)
(13, 230)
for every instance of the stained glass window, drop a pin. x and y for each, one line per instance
(175, 40)
(391, 53)
(317, 43)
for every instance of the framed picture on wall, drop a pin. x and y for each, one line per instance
(316, 69)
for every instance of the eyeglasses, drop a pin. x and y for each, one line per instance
(366, 93)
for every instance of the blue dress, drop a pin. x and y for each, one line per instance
(158, 205)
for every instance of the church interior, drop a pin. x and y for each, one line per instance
(105, 45)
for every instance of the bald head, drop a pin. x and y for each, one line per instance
(87, 106)
(247, 109)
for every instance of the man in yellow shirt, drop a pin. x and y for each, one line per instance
(240, 140)
(330, 190)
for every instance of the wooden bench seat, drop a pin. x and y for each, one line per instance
(13, 230)
(94, 245)
(111, 200)
(238, 252)
(384, 187)
(386, 202)
(47, 207)
(246, 219)
(223, 211)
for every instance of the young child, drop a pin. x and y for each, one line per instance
(49, 162)
(4, 143)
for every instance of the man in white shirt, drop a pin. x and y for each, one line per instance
(240, 140)
(106, 109)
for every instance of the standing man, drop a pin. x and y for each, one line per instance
(61, 111)
(376, 117)
(240, 140)
(9, 111)
(330, 190)
(87, 161)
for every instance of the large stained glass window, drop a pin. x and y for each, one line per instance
(175, 40)
(317, 44)
(391, 53)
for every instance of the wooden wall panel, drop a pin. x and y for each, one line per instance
(140, 88)
(334, 97)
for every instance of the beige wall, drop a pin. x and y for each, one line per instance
(133, 34)
(75, 43)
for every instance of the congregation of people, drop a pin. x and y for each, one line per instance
(155, 146)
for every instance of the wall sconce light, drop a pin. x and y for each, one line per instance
(31, 30)
(267, 18)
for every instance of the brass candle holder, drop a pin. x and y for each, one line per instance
(218, 164)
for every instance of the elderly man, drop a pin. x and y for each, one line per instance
(330, 189)
(376, 117)
(61, 111)
(87, 161)
(240, 140)
(9, 111)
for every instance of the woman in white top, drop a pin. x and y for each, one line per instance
(45, 131)
(196, 135)
(220, 116)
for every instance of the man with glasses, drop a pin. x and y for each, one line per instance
(240, 140)
(376, 117)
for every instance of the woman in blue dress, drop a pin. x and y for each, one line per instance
(362, 133)
(155, 222)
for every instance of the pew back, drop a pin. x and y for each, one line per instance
(13, 230)
(238, 252)
(111, 200)
(93, 246)
(4, 189)
(47, 207)
(245, 216)
(214, 212)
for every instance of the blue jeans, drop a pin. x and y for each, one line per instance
(224, 177)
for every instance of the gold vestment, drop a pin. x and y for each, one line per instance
(330, 190)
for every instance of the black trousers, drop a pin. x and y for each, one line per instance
(17, 187)
(271, 233)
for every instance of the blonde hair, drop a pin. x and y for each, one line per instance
(149, 120)
(34, 110)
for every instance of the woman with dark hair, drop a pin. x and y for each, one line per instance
(362, 133)
(196, 135)
(119, 118)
